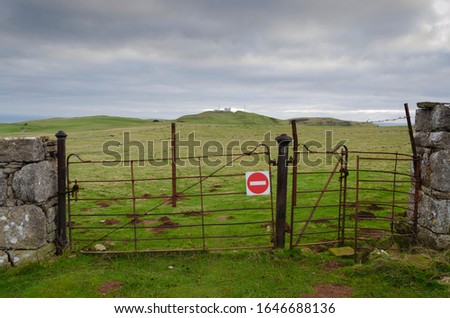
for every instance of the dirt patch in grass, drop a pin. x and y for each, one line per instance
(146, 222)
(215, 188)
(332, 265)
(330, 291)
(224, 218)
(180, 196)
(108, 287)
(104, 204)
(195, 213)
(374, 207)
(110, 222)
(363, 215)
(166, 225)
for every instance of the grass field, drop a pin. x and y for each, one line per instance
(225, 274)
(207, 274)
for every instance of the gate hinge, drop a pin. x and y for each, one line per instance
(74, 191)
(344, 173)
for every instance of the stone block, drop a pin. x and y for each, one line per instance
(425, 170)
(439, 140)
(11, 202)
(3, 187)
(434, 214)
(22, 257)
(440, 118)
(440, 195)
(423, 120)
(51, 214)
(422, 139)
(440, 170)
(428, 105)
(29, 149)
(422, 150)
(22, 227)
(4, 260)
(435, 241)
(51, 237)
(342, 251)
(51, 227)
(36, 182)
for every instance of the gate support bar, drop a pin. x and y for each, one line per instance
(61, 234)
(282, 173)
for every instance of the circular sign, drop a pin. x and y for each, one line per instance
(258, 183)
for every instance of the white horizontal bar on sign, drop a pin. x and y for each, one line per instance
(258, 183)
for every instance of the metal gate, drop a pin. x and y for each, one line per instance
(318, 209)
(361, 199)
(141, 206)
(197, 202)
(384, 215)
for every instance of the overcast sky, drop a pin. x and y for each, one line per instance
(349, 59)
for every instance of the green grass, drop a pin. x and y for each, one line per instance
(207, 274)
(225, 274)
(69, 125)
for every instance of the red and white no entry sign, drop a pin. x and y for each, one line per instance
(258, 182)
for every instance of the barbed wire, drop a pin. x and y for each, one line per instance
(387, 120)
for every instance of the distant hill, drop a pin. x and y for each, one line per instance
(239, 117)
(72, 124)
(328, 121)
(79, 124)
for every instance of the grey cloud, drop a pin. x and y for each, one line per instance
(169, 56)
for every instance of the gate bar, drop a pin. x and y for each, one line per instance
(294, 178)
(61, 234)
(342, 194)
(417, 174)
(174, 165)
(283, 141)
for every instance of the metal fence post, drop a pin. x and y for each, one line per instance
(280, 223)
(61, 234)
(174, 164)
(417, 175)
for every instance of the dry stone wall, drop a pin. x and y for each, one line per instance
(28, 200)
(432, 139)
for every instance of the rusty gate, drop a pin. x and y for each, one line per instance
(179, 203)
(120, 208)
(360, 199)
